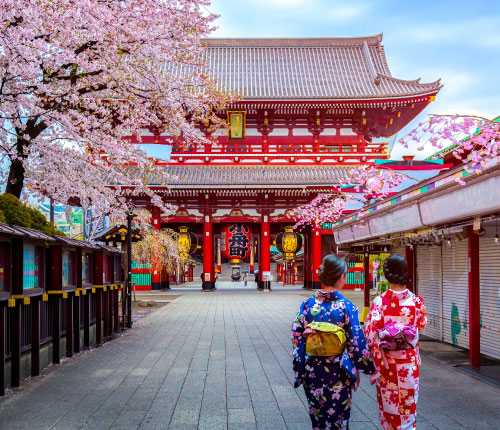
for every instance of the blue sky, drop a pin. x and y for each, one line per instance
(457, 41)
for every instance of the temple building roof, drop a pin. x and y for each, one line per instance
(308, 69)
(255, 176)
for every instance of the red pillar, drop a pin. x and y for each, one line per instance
(307, 260)
(410, 259)
(208, 263)
(474, 300)
(316, 256)
(366, 286)
(155, 272)
(265, 252)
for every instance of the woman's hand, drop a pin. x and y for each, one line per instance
(357, 382)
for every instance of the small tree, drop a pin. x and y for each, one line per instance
(158, 248)
(76, 77)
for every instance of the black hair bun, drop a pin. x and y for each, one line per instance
(396, 270)
(332, 268)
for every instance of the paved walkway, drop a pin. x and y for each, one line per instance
(218, 361)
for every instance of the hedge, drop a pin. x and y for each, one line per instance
(14, 212)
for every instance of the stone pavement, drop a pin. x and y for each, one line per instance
(218, 361)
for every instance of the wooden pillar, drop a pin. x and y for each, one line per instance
(366, 286)
(98, 316)
(316, 257)
(68, 302)
(15, 344)
(76, 322)
(105, 307)
(155, 272)
(110, 312)
(56, 328)
(208, 263)
(410, 259)
(86, 319)
(265, 252)
(2, 347)
(116, 321)
(35, 336)
(474, 300)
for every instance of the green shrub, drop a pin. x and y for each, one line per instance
(14, 212)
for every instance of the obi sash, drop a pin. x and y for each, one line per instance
(324, 339)
(398, 337)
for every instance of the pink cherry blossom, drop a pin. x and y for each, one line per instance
(78, 76)
(472, 139)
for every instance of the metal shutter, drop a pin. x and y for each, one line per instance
(401, 250)
(489, 267)
(429, 287)
(454, 261)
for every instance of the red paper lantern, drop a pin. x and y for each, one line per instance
(236, 242)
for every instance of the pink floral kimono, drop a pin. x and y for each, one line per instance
(391, 329)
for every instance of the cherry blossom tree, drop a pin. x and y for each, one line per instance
(473, 139)
(78, 76)
(370, 184)
(160, 249)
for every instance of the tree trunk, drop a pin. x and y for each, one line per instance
(15, 182)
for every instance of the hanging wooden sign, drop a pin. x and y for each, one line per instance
(237, 123)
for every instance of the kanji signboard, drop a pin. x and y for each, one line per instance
(237, 124)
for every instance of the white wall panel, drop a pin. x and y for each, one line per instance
(429, 287)
(454, 261)
(489, 265)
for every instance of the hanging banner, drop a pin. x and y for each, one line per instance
(237, 123)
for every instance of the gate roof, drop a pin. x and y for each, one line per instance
(308, 69)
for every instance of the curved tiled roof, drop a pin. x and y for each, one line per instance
(270, 176)
(308, 69)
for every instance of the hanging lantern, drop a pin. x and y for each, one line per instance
(235, 242)
(186, 241)
(289, 243)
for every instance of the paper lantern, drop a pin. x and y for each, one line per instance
(235, 242)
(187, 241)
(289, 243)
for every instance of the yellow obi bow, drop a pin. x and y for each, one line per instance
(324, 339)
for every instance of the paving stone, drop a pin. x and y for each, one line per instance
(219, 367)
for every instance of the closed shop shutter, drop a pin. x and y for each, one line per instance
(429, 287)
(401, 250)
(454, 261)
(489, 266)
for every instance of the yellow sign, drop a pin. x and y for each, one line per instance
(237, 125)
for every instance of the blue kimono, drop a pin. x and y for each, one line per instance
(328, 381)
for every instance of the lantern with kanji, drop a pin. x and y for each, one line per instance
(289, 243)
(187, 241)
(236, 242)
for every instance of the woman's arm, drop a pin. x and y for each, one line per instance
(421, 313)
(299, 325)
(356, 342)
(298, 340)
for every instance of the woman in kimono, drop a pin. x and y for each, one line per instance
(391, 328)
(329, 371)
